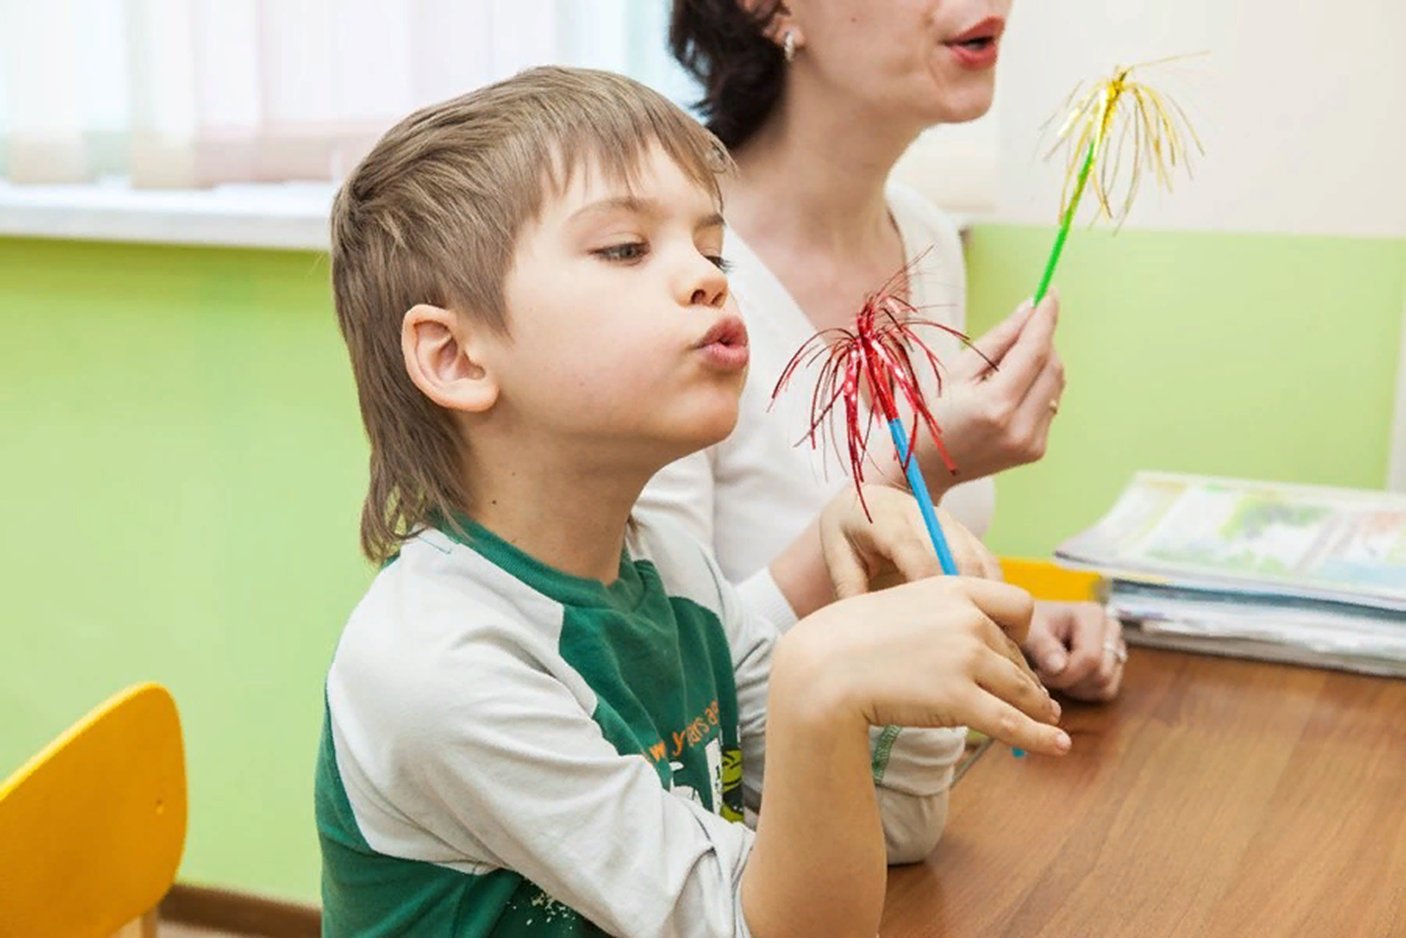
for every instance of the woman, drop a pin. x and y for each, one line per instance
(817, 100)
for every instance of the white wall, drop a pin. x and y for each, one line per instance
(1301, 106)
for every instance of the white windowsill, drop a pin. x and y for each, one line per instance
(289, 215)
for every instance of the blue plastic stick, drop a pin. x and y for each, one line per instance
(920, 492)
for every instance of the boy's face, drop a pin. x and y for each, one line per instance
(622, 337)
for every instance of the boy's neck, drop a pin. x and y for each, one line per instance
(571, 519)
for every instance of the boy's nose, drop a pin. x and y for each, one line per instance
(709, 286)
(708, 297)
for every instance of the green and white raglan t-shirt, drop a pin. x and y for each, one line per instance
(510, 750)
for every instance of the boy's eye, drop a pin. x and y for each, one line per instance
(629, 251)
(720, 262)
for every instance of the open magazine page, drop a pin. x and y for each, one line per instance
(1253, 537)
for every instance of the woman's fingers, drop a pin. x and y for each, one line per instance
(1041, 402)
(1031, 351)
(1045, 645)
(1085, 640)
(1105, 684)
(994, 345)
(1096, 650)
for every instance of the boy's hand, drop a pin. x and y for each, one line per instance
(894, 547)
(941, 651)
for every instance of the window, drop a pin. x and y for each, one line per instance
(195, 93)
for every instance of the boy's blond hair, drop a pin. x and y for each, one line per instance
(432, 215)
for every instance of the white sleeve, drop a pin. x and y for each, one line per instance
(514, 770)
(913, 769)
(761, 593)
(684, 491)
(752, 639)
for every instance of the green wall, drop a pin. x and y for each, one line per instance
(182, 467)
(1263, 356)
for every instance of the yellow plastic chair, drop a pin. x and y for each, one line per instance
(92, 828)
(1045, 580)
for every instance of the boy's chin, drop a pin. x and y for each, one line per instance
(701, 431)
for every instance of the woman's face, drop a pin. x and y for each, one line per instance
(925, 61)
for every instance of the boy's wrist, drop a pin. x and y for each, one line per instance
(809, 683)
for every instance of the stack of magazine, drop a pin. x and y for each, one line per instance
(1302, 574)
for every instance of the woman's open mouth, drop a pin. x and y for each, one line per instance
(977, 48)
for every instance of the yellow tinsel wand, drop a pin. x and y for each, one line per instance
(1120, 126)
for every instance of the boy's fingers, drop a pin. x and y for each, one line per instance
(914, 558)
(972, 557)
(990, 566)
(1005, 646)
(847, 572)
(1000, 676)
(1000, 720)
(1009, 607)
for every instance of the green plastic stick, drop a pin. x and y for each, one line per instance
(1065, 223)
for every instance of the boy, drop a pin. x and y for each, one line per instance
(547, 716)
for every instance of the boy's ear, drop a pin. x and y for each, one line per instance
(444, 358)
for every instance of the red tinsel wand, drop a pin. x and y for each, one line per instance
(875, 354)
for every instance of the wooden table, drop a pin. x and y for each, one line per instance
(1215, 797)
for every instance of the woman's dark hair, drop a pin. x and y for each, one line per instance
(725, 47)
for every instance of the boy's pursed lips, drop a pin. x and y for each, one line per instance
(725, 344)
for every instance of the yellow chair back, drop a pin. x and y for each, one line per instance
(92, 828)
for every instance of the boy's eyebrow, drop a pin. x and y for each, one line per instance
(640, 206)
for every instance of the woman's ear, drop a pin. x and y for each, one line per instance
(444, 356)
(782, 22)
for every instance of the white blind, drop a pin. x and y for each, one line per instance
(191, 93)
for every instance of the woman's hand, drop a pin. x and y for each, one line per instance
(996, 419)
(864, 555)
(1077, 648)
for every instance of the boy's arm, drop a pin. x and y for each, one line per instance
(818, 864)
(911, 769)
(933, 653)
